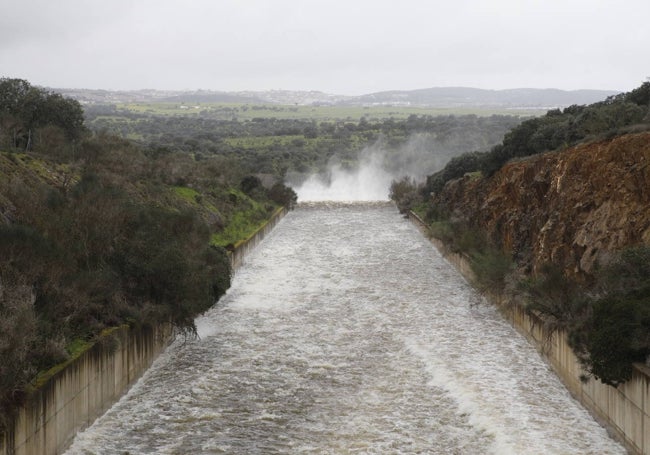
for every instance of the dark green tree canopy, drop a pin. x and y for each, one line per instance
(557, 129)
(24, 108)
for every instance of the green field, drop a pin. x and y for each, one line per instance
(242, 112)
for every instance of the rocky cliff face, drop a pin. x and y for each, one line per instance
(571, 208)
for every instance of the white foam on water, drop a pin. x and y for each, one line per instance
(468, 402)
(346, 332)
(368, 182)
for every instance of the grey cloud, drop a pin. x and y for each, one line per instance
(336, 46)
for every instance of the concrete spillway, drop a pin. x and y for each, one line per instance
(346, 332)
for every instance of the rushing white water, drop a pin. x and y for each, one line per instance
(346, 332)
(368, 182)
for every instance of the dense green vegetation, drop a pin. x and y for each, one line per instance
(278, 145)
(30, 116)
(243, 112)
(97, 231)
(608, 322)
(606, 318)
(557, 129)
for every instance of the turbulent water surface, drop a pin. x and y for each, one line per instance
(346, 332)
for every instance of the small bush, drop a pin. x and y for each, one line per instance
(252, 186)
(18, 337)
(283, 195)
(444, 231)
(617, 335)
(491, 267)
(558, 299)
(618, 332)
(608, 325)
(405, 193)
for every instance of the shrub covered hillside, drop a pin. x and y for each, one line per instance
(557, 218)
(97, 232)
(302, 146)
(558, 129)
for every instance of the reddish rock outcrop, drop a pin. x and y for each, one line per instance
(571, 208)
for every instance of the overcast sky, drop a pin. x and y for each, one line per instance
(337, 46)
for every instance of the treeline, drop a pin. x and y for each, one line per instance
(278, 146)
(31, 116)
(97, 231)
(557, 129)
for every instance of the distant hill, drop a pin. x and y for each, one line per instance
(434, 97)
(205, 96)
(474, 97)
(90, 96)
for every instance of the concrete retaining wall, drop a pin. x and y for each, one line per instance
(75, 396)
(244, 247)
(623, 410)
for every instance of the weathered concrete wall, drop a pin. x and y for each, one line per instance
(75, 396)
(624, 410)
(244, 247)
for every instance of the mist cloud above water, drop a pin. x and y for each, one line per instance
(369, 182)
(425, 151)
(420, 156)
